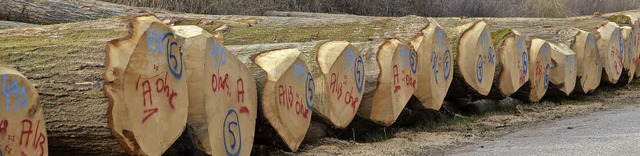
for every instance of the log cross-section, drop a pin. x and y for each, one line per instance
(287, 94)
(539, 66)
(397, 81)
(611, 49)
(512, 69)
(629, 69)
(563, 74)
(149, 101)
(340, 85)
(475, 59)
(589, 67)
(22, 124)
(435, 65)
(230, 99)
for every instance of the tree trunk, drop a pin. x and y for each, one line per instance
(64, 11)
(435, 65)
(22, 118)
(396, 83)
(65, 63)
(630, 35)
(540, 66)
(475, 60)
(511, 72)
(338, 69)
(562, 78)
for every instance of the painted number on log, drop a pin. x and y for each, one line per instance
(157, 42)
(359, 74)
(18, 91)
(231, 133)
(162, 88)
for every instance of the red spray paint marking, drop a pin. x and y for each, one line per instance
(244, 109)
(396, 79)
(287, 98)
(38, 140)
(3, 126)
(240, 87)
(149, 113)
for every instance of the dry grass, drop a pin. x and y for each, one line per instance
(434, 8)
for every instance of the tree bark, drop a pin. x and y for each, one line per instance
(64, 11)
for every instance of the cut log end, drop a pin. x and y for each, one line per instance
(611, 49)
(149, 101)
(476, 61)
(629, 69)
(563, 71)
(22, 116)
(287, 95)
(435, 65)
(397, 82)
(513, 58)
(230, 100)
(539, 65)
(341, 82)
(589, 68)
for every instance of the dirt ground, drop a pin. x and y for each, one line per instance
(459, 131)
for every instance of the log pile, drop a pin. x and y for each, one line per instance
(163, 84)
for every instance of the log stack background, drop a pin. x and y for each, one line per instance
(66, 63)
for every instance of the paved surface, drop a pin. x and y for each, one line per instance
(615, 132)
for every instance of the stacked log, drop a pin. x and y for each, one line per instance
(339, 78)
(475, 60)
(562, 78)
(611, 49)
(397, 82)
(148, 91)
(435, 65)
(512, 68)
(286, 89)
(630, 34)
(540, 66)
(22, 123)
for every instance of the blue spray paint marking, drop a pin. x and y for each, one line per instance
(524, 57)
(413, 63)
(447, 64)
(311, 87)
(403, 55)
(487, 47)
(525, 63)
(18, 91)
(434, 62)
(234, 148)
(479, 69)
(218, 53)
(359, 73)
(620, 43)
(177, 73)
(348, 59)
(152, 38)
(546, 77)
(300, 72)
(570, 63)
(440, 39)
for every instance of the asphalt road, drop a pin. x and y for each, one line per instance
(615, 132)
